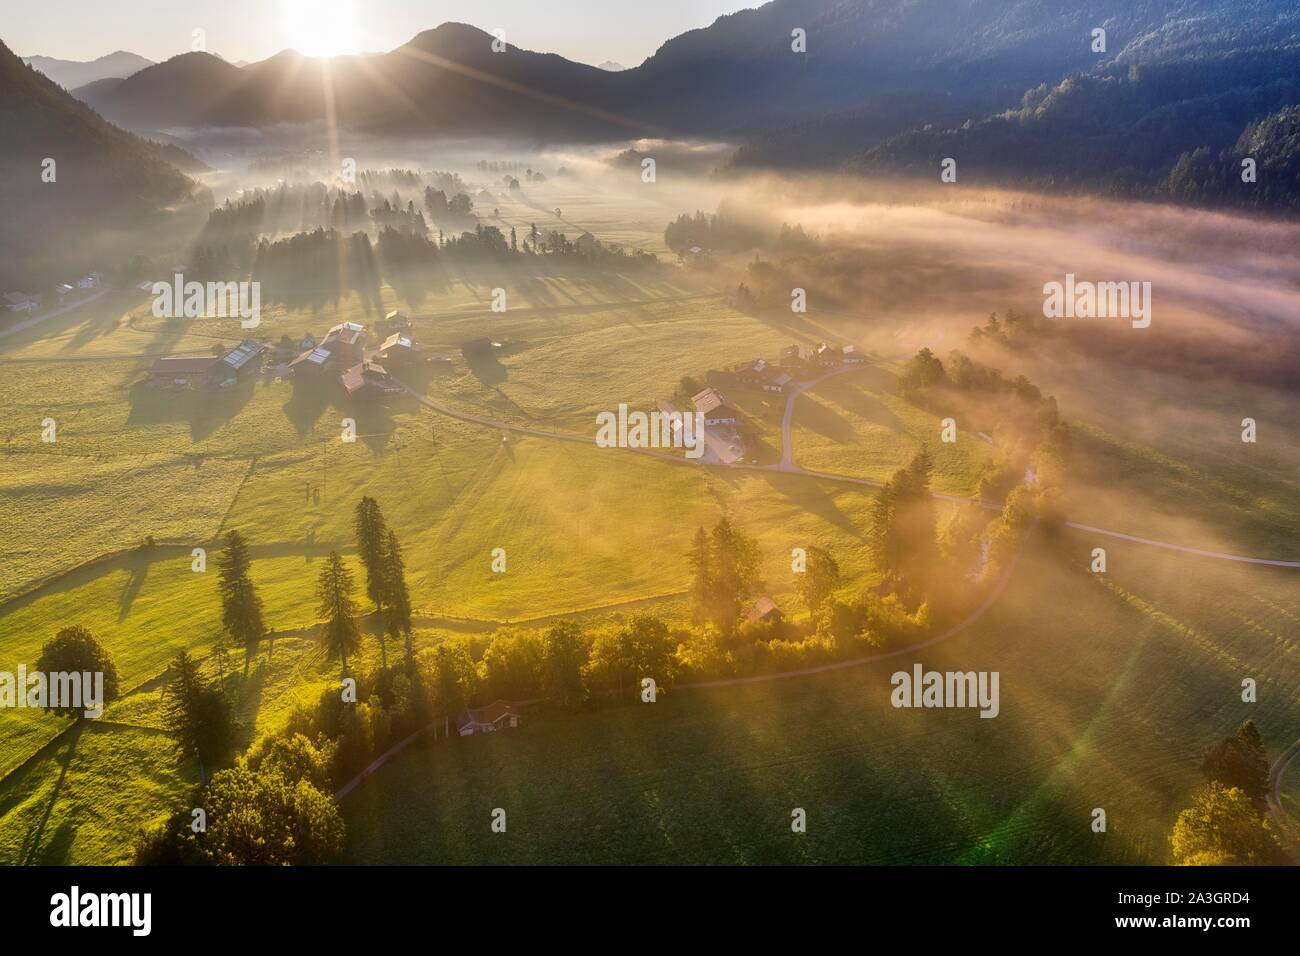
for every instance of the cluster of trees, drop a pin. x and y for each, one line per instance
(925, 374)
(288, 207)
(449, 182)
(723, 231)
(383, 178)
(402, 252)
(321, 266)
(902, 539)
(1031, 440)
(1013, 331)
(485, 242)
(273, 805)
(390, 215)
(724, 575)
(273, 808)
(448, 211)
(1227, 823)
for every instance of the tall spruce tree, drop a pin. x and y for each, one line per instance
(372, 543)
(341, 633)
(241, 608)
(196, 714)
(397, 596)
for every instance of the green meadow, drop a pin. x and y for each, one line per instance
(100, 524)
(1109, 706)
(1113, 685)
(855, 424)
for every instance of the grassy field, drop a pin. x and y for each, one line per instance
(855, 424)
(1109, 706)
(584, 528)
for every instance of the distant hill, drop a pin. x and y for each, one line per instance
(611, 66)
(185, 90)
(447, 80)
(107, 181)
(71, 74)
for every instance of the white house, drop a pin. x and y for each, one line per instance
(715, 408)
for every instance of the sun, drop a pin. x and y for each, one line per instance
(321, 27)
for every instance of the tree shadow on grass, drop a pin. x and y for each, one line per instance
(205, 411)
(61, 844)
(814, 414)
(487, 368)
(312, 394)
(134, 582)
(247, 689)
(856, 398)
(374, 421)
(812, 497)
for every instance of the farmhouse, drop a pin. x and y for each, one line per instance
(183, 371)
(397, 321)
(825, 355)
(764, 609)
(762, 375)
(313, 361)
(713, 406)
(670, 415)
(22, 302)
(399, 349)
(369, 381)
(795, 356)
(347, 339)
(91, 280)
(243, 360)
(853, 355)
(497, 715)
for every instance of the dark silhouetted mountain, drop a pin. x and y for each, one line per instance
(105, 179)
(71, 74)
(186, 90)
(1157, 130)
(444, 81)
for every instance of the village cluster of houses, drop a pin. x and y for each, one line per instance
(364, 372)
(30, 301)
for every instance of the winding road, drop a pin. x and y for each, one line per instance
(37, 320)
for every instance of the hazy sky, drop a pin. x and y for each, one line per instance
(591, 31)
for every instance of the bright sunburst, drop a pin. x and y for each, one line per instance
(321, 27)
